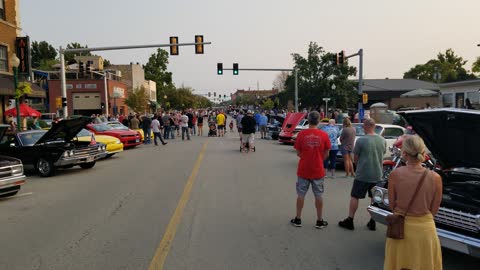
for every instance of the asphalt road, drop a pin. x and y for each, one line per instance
(235, 216)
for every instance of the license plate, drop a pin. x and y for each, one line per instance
(90, 159)
(138, 140)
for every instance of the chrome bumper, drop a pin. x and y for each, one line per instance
(12, 181)
(454, 241)
(79, 160)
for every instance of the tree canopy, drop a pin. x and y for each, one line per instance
(43, 55)
(447, 67)
(316, 74)
(137, 99)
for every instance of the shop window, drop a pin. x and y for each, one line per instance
(447, 100)
(474, 97)
(3, 57)
(2, 10)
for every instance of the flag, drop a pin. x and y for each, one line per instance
(92, 140)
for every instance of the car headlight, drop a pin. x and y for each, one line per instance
(378, 195)
(71, 153)
(99, 148)
(65, 154)
(385, 199)
(118, 142)
(17, 170)
(104, 147)
(478, 221)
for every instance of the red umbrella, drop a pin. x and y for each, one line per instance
(25, 111)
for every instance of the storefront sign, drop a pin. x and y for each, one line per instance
(23, 53)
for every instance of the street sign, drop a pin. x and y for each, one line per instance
(326, 99)
(361, 114)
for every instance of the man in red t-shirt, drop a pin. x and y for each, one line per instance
(312, 147)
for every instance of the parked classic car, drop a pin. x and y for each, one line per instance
(11, 172)
(129, 138)
(114, 145)
(289, 126)
(52, 149)
(275, 127)
(120, 126)
(451, 136)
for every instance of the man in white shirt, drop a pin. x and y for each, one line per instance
(184, 125)
(156, 128)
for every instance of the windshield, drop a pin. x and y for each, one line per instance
(102, 128)
(84, 133)
(31, 138)
(361, 132)
(118, 126)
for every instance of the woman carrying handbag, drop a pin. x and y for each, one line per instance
(415, 195)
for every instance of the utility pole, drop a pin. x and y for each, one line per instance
(360, 83)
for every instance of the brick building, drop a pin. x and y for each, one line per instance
(87, 96)
(258, 94)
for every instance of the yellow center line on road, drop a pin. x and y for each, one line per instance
(164, 247)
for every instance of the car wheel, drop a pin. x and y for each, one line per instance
(110, 155)
(45, 167)
(88, 165)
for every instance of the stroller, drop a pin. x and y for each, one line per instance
(212, 129)
(247, 146)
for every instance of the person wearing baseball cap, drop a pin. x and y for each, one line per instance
(248, 131)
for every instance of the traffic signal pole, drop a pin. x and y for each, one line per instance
(360, 80)
(63, 83)
(276, 69)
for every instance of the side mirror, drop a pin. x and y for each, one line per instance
(12, 145)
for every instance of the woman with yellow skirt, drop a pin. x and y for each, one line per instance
(420, 249)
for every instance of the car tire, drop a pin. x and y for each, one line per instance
(88, 165)
(109, 155)
(45, 167)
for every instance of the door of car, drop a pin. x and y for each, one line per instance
(10, 146)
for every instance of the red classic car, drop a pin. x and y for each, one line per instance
(129, 138)
(289, 125)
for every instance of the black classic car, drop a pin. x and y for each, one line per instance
(52, 149)
(452, 137)
(11, 172)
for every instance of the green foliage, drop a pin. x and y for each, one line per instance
(447, 67)
(43, 53)
(268, 104)
(70, 56)
(476, 65)
(23, 88)
(245, 100)
(156, 69)
(137, 99)
(316, 74)
(106, 63)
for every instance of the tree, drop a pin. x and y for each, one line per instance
(106, 63)
(156, 70)
(268, 104)
(43, 55)
(316, 74)
(280, 80)
(137, 99)
(70, 56)
(447, 67)
(476, 65)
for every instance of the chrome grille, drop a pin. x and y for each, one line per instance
(85, 152)
(457, 219)
(6, 171)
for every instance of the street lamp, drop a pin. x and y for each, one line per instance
(15, 63)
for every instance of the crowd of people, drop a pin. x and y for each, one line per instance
(420, 248)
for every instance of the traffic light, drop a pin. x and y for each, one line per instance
(335, 58)
(214, 94)
(209, 94)
(81, 69)
(341, 57)
(64, 102)
(199, 47)
(173, 48)
(224, 96)
(89, 67)
(364, 98)
(219, 68)
(235, 68)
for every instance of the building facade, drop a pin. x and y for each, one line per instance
(257, 94)
(455, 94)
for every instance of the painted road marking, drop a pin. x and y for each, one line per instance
(164, 247)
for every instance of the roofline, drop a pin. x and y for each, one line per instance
(441, 110)
(460, 83)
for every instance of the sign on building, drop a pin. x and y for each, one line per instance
(118, 92)
(23, 53)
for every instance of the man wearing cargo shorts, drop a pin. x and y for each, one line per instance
(312, 147)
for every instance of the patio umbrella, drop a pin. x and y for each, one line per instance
(25, 111)
(420, 93)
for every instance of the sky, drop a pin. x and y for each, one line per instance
(395, 35)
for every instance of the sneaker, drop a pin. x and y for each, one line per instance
(347, 224)
(164, 143)
(321, 224)
(296, 222)
(372, 225)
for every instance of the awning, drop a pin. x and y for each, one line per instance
(420, 93)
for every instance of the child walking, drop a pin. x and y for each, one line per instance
(231, 126)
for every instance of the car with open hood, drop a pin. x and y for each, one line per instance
(275, 126)
(289, 125)
(52, 149)
(129, 138)
(114, 145)
(11, 172)
(451, 136)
